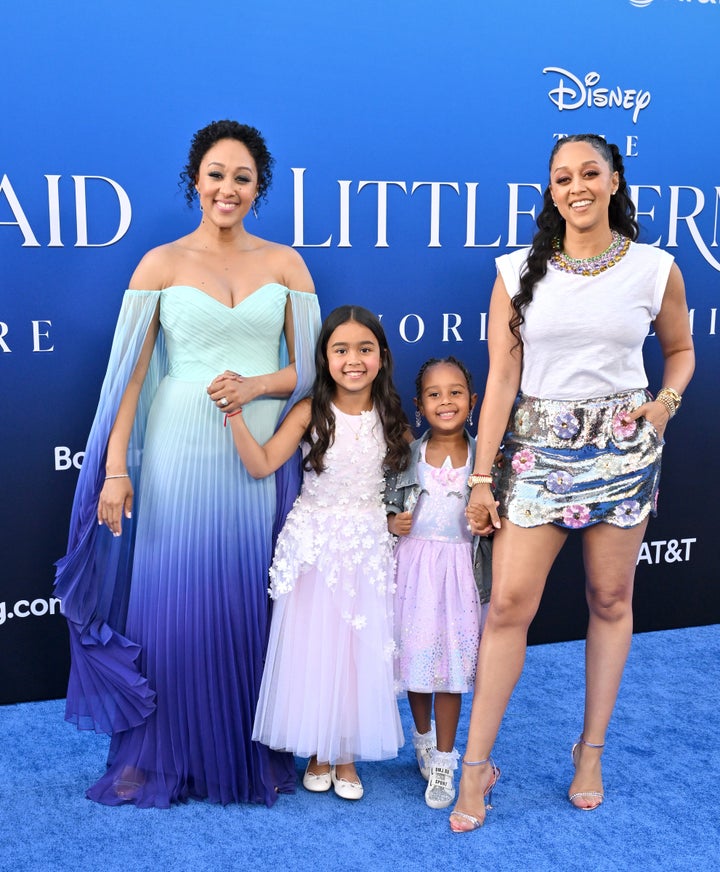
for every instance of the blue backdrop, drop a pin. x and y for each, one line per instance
(411, 141)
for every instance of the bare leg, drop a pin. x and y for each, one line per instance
(347, 771)
(447, 715)
(521, 561)
(421, 708)
(316, 768)
(610, 555)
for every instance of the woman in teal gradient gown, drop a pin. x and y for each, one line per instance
(165, 580)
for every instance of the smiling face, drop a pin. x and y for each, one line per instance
(354, 358)
(581, 184)
(227, 183)
(445, 400)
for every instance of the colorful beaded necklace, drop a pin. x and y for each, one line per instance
(591, 266)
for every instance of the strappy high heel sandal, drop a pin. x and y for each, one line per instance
(596, 793)
(474, 822)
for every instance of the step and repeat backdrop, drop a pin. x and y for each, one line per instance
(411, 141)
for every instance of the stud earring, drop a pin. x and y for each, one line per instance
(554, 204)
(418, 418)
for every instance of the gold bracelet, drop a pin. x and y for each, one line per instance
(668, 403)
(479, 478)
(670, 398)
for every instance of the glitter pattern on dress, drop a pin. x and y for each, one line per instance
(437, 609)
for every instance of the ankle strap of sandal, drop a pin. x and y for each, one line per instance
(477, 762)
(590, 744)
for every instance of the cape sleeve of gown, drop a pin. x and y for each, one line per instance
(106, 691)
(306, 326)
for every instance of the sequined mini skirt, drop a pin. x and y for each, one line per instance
(575, 463)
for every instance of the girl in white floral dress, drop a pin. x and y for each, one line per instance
(327, 688)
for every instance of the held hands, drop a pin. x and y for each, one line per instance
(116, 499)
(481, 511)
(230, 391)
(400, 524)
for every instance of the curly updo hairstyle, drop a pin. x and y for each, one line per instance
(551, 225)
(204, 140)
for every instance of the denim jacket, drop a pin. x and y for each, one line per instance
(402, 490)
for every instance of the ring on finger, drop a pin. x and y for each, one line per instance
(223, 401)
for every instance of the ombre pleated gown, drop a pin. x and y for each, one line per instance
(198, 603)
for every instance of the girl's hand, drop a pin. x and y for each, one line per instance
(654, 412)
(481, 511)
(230, 391)
(116, 499)
(400, 524)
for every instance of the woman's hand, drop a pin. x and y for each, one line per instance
(116, 499)
(481, 511)
(654, 412)
(399, 524)
(230, 391)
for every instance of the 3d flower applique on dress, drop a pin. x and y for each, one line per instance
(576, 516)
(523, 460)
(559, 482)
(627, 514)
(621, 428)
(566, 425)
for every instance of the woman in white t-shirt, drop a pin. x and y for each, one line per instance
(582, 440)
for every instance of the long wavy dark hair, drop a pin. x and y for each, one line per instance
(386, 400)
(551, 225)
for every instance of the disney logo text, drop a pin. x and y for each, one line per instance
(572, 93)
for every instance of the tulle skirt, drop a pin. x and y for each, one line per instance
(327, 688)
(437, 616)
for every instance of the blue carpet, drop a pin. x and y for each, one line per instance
(660, 767)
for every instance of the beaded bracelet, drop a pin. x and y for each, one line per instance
(670, 398)
(668, 403)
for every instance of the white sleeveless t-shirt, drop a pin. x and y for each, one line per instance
(583, 335)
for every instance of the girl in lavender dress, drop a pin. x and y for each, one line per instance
(437, 605)
(327, 689)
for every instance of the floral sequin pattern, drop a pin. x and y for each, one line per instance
(623, 428)
(577, 463)
(523, 460)
(576, 515)
(559, 481)
(628, 513)
(565, 425)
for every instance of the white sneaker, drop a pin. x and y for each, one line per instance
(424, 744)
(440, 792)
